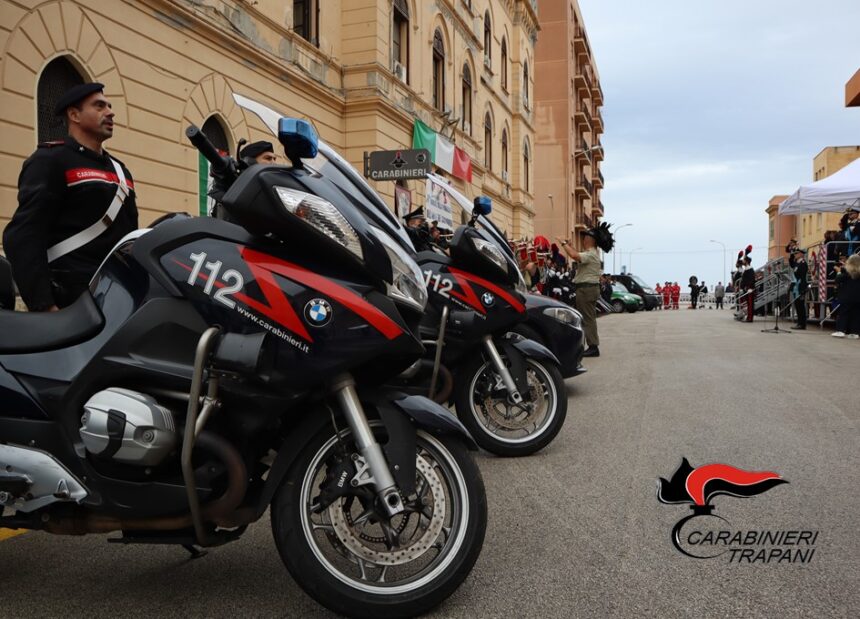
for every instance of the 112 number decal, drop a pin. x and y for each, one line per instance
(232, 280)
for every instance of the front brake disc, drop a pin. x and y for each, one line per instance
(351, 539)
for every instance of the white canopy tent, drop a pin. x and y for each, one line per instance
(832, 194)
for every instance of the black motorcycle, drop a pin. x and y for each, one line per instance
(507, 390)
(213, 371)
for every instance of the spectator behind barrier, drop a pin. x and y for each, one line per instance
(848, 294)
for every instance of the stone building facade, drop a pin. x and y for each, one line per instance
(361, 70)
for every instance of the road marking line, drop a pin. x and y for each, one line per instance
(9, 533)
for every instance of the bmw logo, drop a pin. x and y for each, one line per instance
(318, 312)
(488, 299)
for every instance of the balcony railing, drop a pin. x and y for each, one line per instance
(597, 149)
(583, 115)
(598, 179)
(582, 220)
(584, 150)
(584, 78)
(580, 43)
(584, 185)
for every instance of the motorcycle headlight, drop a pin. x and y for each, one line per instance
(407, 283)
(566, 315)
(490, 252)
(322, 216)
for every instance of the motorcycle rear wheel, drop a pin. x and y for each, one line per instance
(345, 565)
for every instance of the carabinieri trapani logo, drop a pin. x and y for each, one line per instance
(706, 537)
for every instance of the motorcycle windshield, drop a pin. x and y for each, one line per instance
(329, 164)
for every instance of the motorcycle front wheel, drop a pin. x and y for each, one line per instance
(501, 427)
(339, 555)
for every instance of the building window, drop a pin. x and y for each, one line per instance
(400, 39)
(526, 157)
(504, 67)
(56, 78)
(467, 100)
(505, 154)
(488, 40)
(526, 84)
(771, 229)
(306, 20)
(488, 142)
(438, 71)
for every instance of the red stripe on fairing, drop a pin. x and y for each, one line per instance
(472, 299)
(696, 480)
(264, 262)
(279, 309)
(82, 175)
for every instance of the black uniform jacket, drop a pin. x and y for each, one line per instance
(63, 189)
(801, 269)
(748, 278)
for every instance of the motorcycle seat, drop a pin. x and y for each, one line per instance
(30, 332)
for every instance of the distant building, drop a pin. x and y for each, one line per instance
(852, 91)
(781, 228)
(568, 125)
(811, 227)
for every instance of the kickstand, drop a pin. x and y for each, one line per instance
(195, 552)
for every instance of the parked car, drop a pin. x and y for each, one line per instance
(624, 300)
(636, 285)
(557, 326)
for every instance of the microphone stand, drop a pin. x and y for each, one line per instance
(776, 329)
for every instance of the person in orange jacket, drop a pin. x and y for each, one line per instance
(676, 295)
(667, 296)
(659, 290)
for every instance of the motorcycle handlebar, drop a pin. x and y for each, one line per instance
(220, 164)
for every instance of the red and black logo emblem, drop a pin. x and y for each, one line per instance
(697, 487)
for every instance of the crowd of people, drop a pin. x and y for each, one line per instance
(671, 293)
(842, 252)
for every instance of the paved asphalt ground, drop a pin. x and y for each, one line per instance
(575, 531)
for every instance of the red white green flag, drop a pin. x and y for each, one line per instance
(443, 153)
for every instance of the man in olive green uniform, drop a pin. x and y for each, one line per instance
(587, 280)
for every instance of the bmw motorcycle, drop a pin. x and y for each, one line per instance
(507, 390)
(214, 371)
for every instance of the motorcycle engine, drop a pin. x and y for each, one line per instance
(128, 427)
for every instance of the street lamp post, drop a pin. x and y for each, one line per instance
(616, 250)
(724, 258)
(631, 259)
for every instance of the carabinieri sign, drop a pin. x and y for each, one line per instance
(393, 165)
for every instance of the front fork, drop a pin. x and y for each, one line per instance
(343, 389)
(514, 396)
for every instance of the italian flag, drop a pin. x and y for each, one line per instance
(443, 153)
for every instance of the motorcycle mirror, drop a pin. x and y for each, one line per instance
(483, 206)
(299, 139)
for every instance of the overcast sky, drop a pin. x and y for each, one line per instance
(712, 107)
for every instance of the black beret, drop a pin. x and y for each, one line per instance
(416, 214)
(255, 149)
(75, 94)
